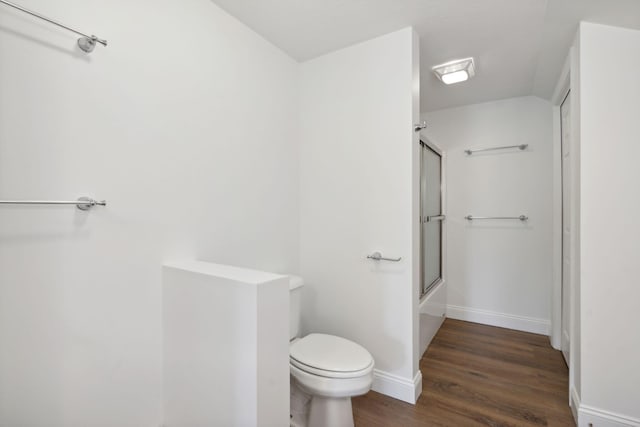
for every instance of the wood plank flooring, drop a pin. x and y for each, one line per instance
(477, 375)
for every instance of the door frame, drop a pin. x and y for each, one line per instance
(562, 89)
(426, 143)
(565, 286)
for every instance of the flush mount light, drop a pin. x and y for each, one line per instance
(456, 71)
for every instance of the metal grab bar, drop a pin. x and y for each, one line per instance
(521, 217)
(521, 147)
(86, 43)
(377, 256)
(83, 203)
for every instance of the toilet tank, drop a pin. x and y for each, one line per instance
(295, 302)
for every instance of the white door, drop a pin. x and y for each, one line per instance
(565, 112)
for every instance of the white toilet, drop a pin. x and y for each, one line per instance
(326, 371)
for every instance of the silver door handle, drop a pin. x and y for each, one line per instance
(435, 218)
(377, 256)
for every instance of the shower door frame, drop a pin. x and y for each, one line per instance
(426, 144)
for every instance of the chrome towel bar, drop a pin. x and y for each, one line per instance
(377, 256)
(86, 43)
(521, 217)
(83, 203)
(520, 147)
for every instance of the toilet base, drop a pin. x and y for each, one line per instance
(330, 411)
(299, 404)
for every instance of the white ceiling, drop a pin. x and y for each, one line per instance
(519, 45)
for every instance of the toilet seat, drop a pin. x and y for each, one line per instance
(330, 356)
(317, 385)
(331, 374)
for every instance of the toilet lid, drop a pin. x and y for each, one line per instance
(330, 353)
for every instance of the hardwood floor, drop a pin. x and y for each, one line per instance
(476, 375)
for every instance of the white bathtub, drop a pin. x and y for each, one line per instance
(432, 314)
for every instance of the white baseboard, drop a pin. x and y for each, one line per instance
(588, 416)
(397, 387)
(574, 403)
(503, 320)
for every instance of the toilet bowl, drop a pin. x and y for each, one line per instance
(326, 372)
(330, 370)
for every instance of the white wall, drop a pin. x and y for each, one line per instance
(186, 124)
(499, 272)
(610, 235)
(359, 194)
(225, 346)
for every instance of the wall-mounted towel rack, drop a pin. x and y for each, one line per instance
(83, 203)
(521, 147)
(521, 217)
(86, 42)
(377, 256)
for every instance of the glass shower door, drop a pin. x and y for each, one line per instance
(431, 217)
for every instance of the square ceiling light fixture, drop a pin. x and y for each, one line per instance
(456, 71)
